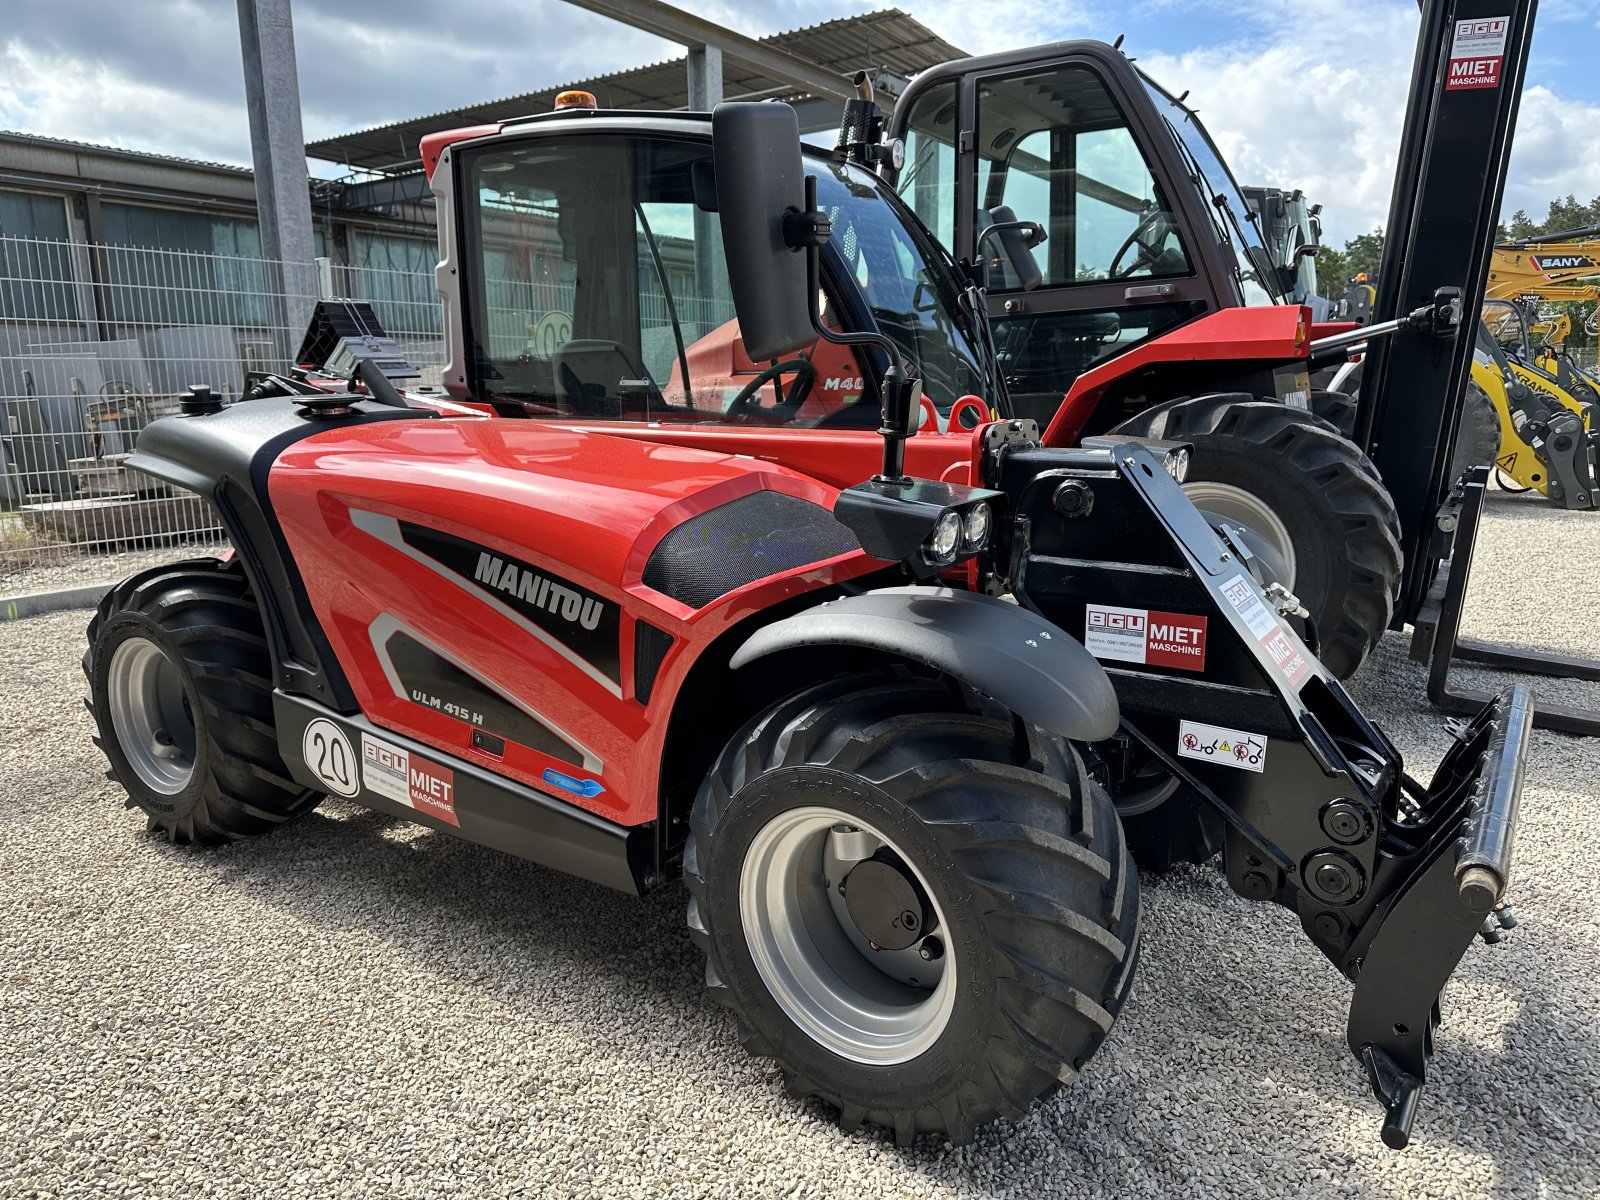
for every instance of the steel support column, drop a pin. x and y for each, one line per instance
(283, 198)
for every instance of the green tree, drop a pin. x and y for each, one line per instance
(1364, 252)
(1562, 215)
(1333, 272)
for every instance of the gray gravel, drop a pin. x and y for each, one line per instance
(359, 1007)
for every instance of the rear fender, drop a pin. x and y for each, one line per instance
(224, 458)
(1013, 655)
(1216, 352)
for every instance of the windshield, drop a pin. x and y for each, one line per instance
(599, 291)
(905, 278)
(1301, 233)
(1222, 199)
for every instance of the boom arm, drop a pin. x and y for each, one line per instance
(1549, 267)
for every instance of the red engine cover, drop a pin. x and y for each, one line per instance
(485, 577)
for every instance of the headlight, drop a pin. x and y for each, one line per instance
(1177, 464)
(976, 527)
(945, 539)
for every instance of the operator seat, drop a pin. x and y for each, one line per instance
(591, 377)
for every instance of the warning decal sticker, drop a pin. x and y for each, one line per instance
(1149, 636)
(1267, 629)
(1476, 52)
(416, 782)
(1235, 748)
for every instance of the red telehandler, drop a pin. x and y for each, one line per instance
(867, 693)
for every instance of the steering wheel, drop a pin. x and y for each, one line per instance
(805, 375)
(1146, 237)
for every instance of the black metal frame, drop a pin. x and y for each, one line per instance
(1438, 641)
(1390, 880)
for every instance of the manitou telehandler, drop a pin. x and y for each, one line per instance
(614, 607)
(1130, 292)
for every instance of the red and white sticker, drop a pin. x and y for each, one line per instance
(1269, 631)
(414, 781)
(1146, 635)
(1477, 50)
(1237, 748)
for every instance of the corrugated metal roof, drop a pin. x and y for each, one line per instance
(38, 139)
(888, 39)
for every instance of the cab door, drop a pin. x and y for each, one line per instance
(1065, 142)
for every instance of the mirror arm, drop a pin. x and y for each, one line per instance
(900, 392)
(1035, 233)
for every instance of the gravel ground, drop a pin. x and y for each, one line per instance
(359, 1007)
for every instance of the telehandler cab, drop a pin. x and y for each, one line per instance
(869, 712)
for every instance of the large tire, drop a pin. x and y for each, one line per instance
(1321, 490)
(1165, 821)
(180, 687)
(1021, 860)
(1336, 408)
(1478, 435)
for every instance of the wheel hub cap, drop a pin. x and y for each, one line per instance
(151, 715)
(878, 1000)
(1253, 519)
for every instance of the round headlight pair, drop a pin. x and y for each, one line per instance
(1177, 464)
(955, 533)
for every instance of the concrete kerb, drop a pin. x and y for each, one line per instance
(15, 608)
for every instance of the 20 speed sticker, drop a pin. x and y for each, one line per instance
(1227, 747)
(413, 781)
(327, 752)
(1148, 636)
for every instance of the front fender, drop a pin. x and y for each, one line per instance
(1005, 651)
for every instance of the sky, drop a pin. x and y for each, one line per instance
(1297, 93)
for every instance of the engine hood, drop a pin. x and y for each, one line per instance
(594, 501)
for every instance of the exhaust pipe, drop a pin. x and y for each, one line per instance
(861, 127)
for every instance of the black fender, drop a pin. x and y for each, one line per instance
(1035, 669)
(224, 458)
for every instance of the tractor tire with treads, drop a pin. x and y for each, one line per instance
(1309, 502)
(868, 806)
(180, 687)
(1477, 436)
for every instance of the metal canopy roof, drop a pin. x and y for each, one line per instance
(888, 40)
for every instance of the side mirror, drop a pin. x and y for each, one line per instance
(1017, 239)
(760, 180)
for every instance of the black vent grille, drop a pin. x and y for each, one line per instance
(741, 541)
(650, 646)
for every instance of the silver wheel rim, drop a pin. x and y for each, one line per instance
(818, 967)
(150, 715)
(1264, 533)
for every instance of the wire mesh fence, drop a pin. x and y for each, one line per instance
(98, 341)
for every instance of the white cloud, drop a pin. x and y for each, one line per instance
(57, 95)
(1556, 154)
(1324, 113)
(1295, 95)
(985, 28)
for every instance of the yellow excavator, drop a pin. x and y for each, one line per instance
(1543, 271)
(1549, 420)
(1552, 266)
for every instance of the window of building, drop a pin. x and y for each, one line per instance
(395, 273)
(171, 267)
(36, 259)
